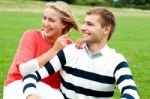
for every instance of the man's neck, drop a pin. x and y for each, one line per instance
(95, 47)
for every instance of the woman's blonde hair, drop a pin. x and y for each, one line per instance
(65, 14)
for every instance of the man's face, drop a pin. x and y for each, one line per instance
(92, 29)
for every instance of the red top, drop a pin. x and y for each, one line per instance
(31, 46)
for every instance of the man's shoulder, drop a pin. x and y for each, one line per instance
(72, 50)
(116, 56)
(71, 47)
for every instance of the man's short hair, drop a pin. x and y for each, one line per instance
(108, 18)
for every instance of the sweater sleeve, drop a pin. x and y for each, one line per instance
(54, 65)
(125, 81)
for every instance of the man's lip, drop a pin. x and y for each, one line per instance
(87, 33)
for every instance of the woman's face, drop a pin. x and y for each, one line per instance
(52, 23)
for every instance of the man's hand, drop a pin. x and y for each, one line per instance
(33, 96)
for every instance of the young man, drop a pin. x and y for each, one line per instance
(91, 72)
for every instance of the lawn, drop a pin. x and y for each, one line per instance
(131, 37)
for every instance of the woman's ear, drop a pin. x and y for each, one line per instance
(64, 26)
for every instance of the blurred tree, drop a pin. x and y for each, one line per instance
(147, 1)
(141, 4)
(137, 2)
(68, 1)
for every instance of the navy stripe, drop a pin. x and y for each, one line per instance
(124, 77)
(49, 68)
(127, 96)
(61, 57)
(121, 65)
(89, 75)
(129, 87)
(30, 76)
(65, 97)
(87, 92)
(38, 75)
(27, 86)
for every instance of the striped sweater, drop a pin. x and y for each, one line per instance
(87, 76)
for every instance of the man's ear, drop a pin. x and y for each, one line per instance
(107, 29)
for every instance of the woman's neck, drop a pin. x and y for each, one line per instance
(50, 40)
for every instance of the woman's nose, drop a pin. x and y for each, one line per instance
(46, 22)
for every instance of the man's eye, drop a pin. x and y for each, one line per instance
(90, 24)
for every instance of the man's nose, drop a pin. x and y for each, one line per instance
(83, 27)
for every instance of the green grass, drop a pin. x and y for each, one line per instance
(131, 37)
(12, 26)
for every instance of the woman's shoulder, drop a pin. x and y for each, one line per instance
(32, 32)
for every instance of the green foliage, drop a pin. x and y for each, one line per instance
(140, 4)
(68, 1)
(87, 2)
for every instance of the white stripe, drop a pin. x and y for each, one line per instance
(43, 72)
(126, 83)
(56, 63)
(132, 92)
(30, 91)
(28, 67)
(69, 93)
(29, 80)
(122, 71)
(85, 83)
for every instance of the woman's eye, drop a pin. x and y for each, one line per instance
(44, 18)
(52, 20)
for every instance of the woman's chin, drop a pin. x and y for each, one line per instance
(47, 34)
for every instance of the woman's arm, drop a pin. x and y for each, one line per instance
(60, 43)
(33, 64)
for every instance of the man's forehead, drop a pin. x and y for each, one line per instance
(92, 18)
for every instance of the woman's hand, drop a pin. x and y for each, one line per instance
(79, 44)
(60, 43)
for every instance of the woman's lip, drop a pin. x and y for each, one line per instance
(47, 29)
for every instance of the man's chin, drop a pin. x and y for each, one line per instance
(85, 40)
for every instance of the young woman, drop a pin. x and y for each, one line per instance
(44, 44)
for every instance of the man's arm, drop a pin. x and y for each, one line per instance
(30, 81)
(125, 82)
